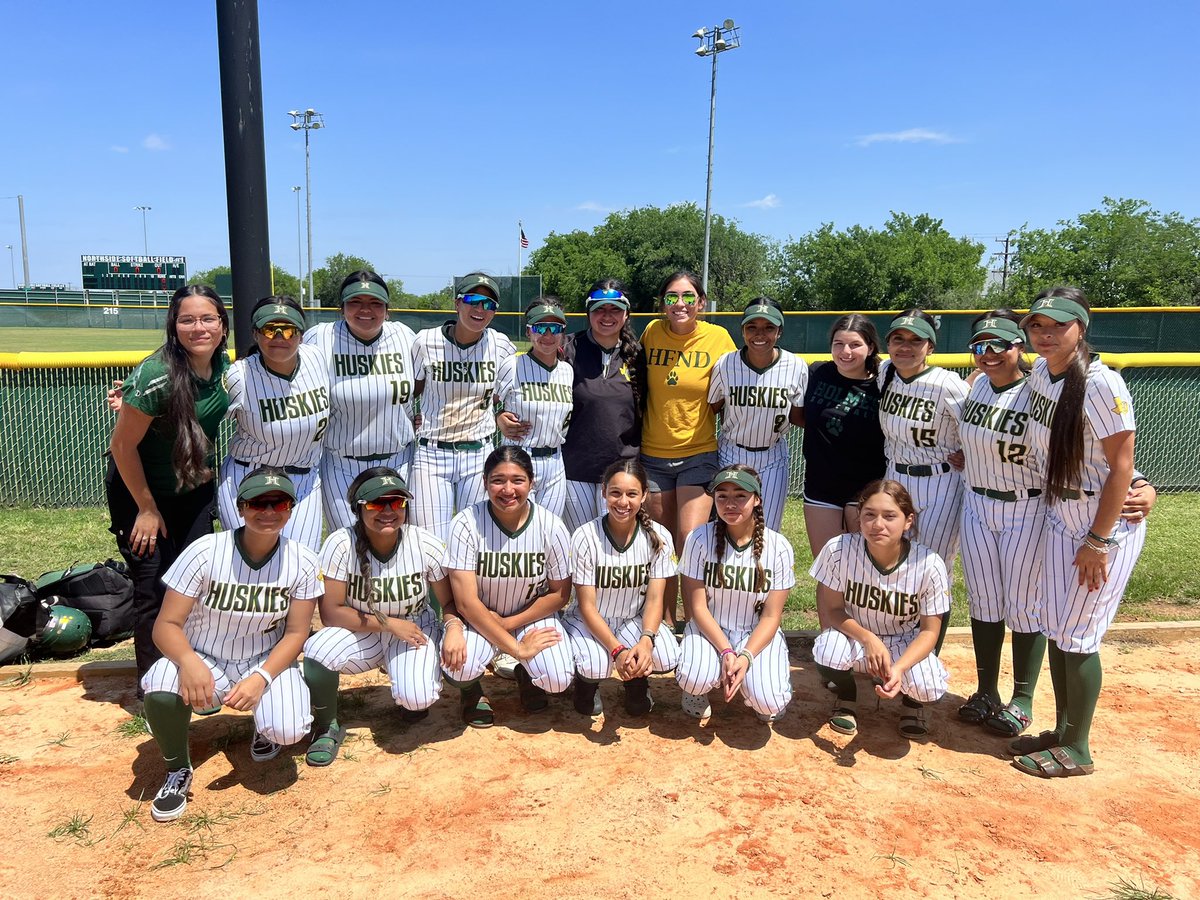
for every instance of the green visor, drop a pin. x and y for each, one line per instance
(277, 312)
(365, 289)
(1059, 309)
(996, 327)
(917, 326)
(762, 311)
(381, 486)
(740, 477)
(545, 312)
(265, 483)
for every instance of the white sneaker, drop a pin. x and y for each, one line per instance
(504, 666)
(696, 705)
(262, 749)
(171, 799)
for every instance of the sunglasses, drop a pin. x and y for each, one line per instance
(262, 504)
(688, 297)
(480, 300)
(379, 504)
(548, 328)
(606, 294)
(996, 346)
(272, 330)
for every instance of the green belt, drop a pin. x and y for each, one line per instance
(921, 470)
(1007, 496)
(542, 452)
(372, 457)
(452, 445)
(1077, 495)
(751, 449)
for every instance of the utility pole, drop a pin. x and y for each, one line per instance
(1004, 254)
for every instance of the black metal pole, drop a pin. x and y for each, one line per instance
(245, 160)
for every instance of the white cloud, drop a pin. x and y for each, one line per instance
(908, 136)
(155, 142)
(592, 206)
(117, 148)
(768, 202)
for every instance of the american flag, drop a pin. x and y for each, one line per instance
(524, 240)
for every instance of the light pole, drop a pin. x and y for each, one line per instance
(713, 42)
(308, 120)
(12, 264)
(299, 250)
(145, 240)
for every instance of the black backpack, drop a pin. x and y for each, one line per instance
(103, 591)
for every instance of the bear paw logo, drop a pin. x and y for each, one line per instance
(834, 427)
(672, 377)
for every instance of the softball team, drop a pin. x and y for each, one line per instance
(279, 398)
(533, 394)
(454, 367)
(759, 393)
(370, 363)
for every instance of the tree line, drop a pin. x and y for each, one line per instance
(1126, 253)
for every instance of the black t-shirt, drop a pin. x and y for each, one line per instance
(843, 443)
(606, 424)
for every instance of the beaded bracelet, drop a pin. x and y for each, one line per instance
(1103, 549)
(749, 657)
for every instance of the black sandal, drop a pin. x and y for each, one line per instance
(978, 708)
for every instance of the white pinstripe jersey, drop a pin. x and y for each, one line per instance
(733, 606)
(280, 421)
(919, 418)
(1107, 410)
(240, 609)
(757, 401)
(512, 569)
(401, 581)
(619, 574)
(456, 404)
(370, 388)
(884, 603)
(535, 394)
(994, 431)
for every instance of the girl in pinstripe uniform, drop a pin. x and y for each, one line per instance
(370, 391)
(1082, 440)
(279, 398)
(736, 575)
(384, 589)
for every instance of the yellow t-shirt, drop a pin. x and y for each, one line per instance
(678, 420)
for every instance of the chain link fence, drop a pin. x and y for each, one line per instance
(57, 424)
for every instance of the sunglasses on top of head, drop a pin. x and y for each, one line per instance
(488, 303)
(274, 503)
(689, 298)
(548, 328)
(275, 329)
(606, 294)
(996, 346)
(379, 504)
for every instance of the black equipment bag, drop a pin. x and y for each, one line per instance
(103, 591)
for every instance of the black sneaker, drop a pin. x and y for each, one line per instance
(586, 697)
(638, 701)
(171, 799)
(533, 698)
(413, 715)
(262, 749)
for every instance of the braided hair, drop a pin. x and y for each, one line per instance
(634, 468)
(362, 540)
(757, 542)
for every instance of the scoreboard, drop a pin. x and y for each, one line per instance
(134, 273)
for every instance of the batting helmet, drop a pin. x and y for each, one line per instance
(67, 631)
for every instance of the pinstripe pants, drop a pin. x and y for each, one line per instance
(337, 472)
(552, 670)
(444, 482)
(938, 500)
(584, 502)
(1002, 559)
(283, 713)
(549, 483)
(593, 661)
(767, 687)
(415, 673)
(772, 468)
(924, 682)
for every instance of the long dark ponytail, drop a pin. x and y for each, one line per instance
(1064, 463)
(628, 345)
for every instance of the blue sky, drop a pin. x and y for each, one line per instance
(448, 123)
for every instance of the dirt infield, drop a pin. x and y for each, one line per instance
(552, 805)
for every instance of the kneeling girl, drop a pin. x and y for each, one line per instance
(883, 597)
(384, 587)
(736, 575)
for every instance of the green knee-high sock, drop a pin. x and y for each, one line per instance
(168, 717)
(1084, 677)
(1028, 651)
(945, 626)
(988, 639)
(323, 685)
(843, 680)
(1058, 677)
(461, 685)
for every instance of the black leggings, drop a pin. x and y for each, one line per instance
(186, 517)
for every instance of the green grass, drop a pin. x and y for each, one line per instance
(63, 340)
(1164, 586)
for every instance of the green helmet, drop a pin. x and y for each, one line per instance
(67, 631)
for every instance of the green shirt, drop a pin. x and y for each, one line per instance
(146, 389)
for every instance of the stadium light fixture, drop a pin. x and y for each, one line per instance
(713, 42)
(12, 264)
(296, 189)
(308, 121)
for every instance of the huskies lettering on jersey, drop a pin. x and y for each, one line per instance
(454, 371)
(736, 578)
(510, 565)
(870, 596)
(279, 409)
(751, 395)
(1041, 408)
(549, 393)
(247, 598)
(691, 359)
(622, 576)
(1003, 421)
(396, 589)
(348, 365)
(918, 409)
